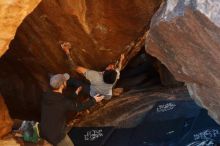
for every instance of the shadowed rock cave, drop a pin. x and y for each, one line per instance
(35, 52)
(171, 49)
(142, 72)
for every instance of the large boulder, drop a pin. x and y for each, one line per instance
(5, 119)
(98, 30)
(184, 35)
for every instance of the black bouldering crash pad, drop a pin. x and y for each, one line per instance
(168, 123)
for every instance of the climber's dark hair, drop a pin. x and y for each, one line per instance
(109, 76)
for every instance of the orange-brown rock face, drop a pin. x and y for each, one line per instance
(5, 120)
(11, 15)
(98, 31)
(185, 37)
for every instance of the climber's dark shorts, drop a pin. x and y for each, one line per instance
(77, 83)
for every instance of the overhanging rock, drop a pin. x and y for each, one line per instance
(98, 30)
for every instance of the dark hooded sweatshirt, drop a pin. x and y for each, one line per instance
(54, 108)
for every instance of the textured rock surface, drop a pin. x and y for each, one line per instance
(12, 14)
(129, 110)
(184, 35)
(5, 119)
(166, 78)
(98, 30)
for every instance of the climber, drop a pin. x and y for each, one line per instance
(55, 107)
(100, 82)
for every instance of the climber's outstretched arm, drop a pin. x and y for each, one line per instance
(66, 46)
(122, 57)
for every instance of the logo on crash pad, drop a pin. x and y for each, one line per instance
(208, 134)
(93, 135)
(165, 107)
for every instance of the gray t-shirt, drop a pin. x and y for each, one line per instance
(98, 86)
